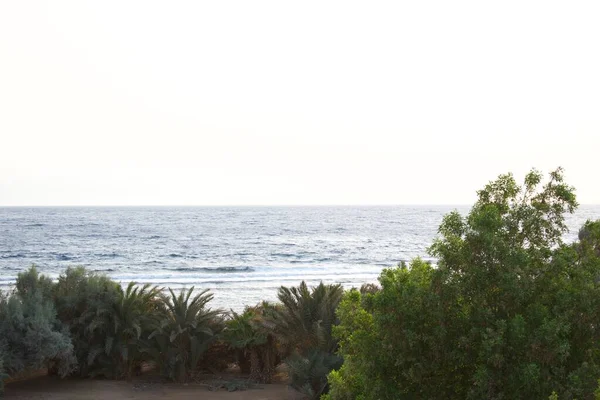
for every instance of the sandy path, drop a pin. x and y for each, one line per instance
(53, 388)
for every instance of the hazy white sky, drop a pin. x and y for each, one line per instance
(278, 102)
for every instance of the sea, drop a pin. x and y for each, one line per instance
(242, 254)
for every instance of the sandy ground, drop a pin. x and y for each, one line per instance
(142, 388)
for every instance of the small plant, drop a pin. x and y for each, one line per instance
(231, 385)
(309, 372)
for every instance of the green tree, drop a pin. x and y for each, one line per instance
(358, 344)
(303, 325)
(31, 282)
(121, 326)
(306, 317)
(248, 333)
(510, 311)
(183, 333)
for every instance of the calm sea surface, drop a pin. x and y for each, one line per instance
(242, 253)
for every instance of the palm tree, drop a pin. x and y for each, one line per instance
(183, 333)
(306, 316)
(247, 332)
(121, 326)
(303, 324)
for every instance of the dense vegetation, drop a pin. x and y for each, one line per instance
(88, 325)
(509, 311)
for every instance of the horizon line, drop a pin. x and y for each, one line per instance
(234, 205)
(244, 205)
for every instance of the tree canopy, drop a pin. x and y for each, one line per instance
(509, 311)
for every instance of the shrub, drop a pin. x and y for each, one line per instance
(82, 297)
(31, 282)
(308, 371)
(31, 337)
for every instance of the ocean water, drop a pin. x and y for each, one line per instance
(243, 254)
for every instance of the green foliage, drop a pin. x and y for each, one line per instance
(120, 326)
(399, 338)
(250, 335)
(89, 322)
(82, 298)
(183, 333)
(358, 345)
(306, 317)
(509, 312)
(242, 332)
(31, 337)
(303, 325)
(308, 372)
(31, 282)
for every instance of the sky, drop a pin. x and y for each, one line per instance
(277, 102)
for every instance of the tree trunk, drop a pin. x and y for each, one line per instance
(268, 369)
(254, 366)
(244, 363)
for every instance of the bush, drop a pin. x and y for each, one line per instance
(509, 312)
(89, 324)
(32, 283)
(31, 337)
(82, 297)
(308, 371)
